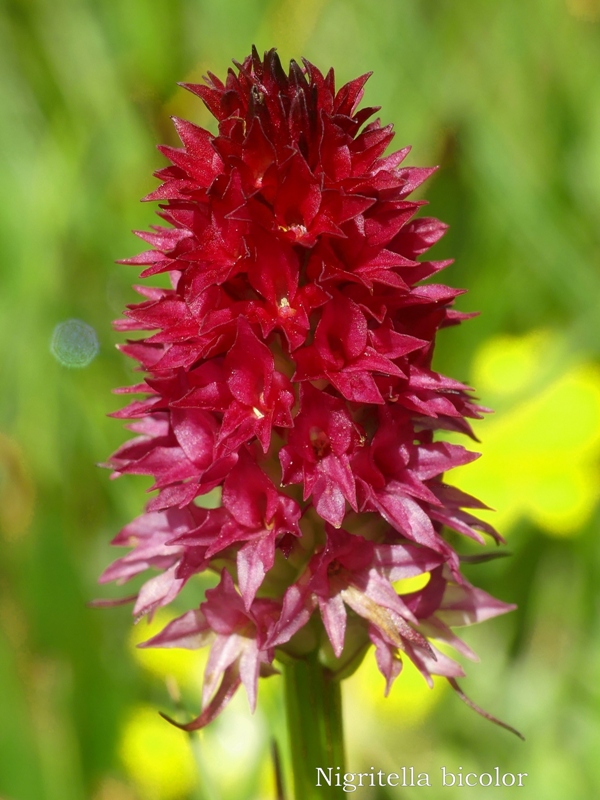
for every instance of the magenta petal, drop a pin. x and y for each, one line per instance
(465, 605)
(249, 673)
(333, 613)
(405, 561)
(436, 629)
(254, 560)
(440, 665)
(434, 459)
(407, 517)
(158, 591)
(250, 364)
(359, 387)
(225, 692)
(224, 652)
(329, 500)
(189, 631)
(388, 661)
(298, 605)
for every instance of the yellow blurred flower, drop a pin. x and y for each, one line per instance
(409, 701)
(238, 738)
(541, 448)
(157, 756)
(186, 667)
(414, 584)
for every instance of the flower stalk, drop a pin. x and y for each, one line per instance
(313, 701)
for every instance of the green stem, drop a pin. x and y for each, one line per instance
(313, 701)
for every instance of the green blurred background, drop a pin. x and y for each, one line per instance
(505, 96)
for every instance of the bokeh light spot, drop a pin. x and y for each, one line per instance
(509, 365)
(540, 452)
(414, 584)
(74, 343)
(157, 756)
(408, 703)
(184, 666)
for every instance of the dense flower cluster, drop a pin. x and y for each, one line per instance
(291, 366)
